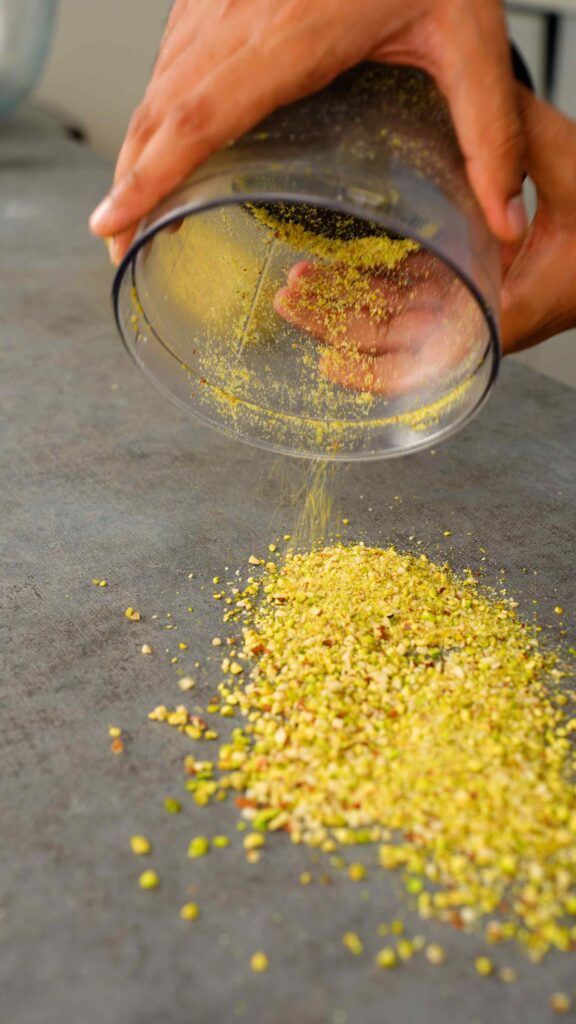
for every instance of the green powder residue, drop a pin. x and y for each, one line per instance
(346, 244)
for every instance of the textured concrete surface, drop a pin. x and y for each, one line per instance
(102, 477)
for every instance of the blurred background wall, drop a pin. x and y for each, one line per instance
(104, 50)
(101, 57)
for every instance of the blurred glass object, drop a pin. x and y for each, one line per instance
(25, 33)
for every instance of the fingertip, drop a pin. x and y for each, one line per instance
(119, 210)
(100, 217)
(488, 123)
(299, 270)
(516, 217)
(507, 219)
(281, 302)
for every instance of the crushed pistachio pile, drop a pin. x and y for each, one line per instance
(385, 700)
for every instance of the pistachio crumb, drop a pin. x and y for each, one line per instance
(435, 954)
(140, 845)
(560, 1002)
(356, 872)
(253, 840)
(198, 847)
(405, 949)
(259, 962)
(189, 912)
(484, 966)
(508, 975)
(386, 958)
(353, 943)
(149, 880)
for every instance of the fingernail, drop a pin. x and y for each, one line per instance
(101, 214)
(517, 216)
(113, 250)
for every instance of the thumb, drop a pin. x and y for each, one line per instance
(483, 100)
(537, 298)
(550, 153)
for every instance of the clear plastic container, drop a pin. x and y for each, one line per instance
(327, 285)
(25, 33)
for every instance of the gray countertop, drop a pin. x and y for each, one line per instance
(102, 477)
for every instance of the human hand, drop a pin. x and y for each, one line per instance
(224, 66)
(539, 291)
(387, 333)
(394, 353)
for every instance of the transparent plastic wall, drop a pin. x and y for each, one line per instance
(25, 32)
(327, 285)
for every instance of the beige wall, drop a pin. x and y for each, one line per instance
(104, 50)
(100, 62)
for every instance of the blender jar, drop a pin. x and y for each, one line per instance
(326, 285)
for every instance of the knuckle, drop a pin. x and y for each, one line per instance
(195, 117)
(133, 182)
(141, 123)
(508, 139)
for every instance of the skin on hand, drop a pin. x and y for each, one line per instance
(393, 356)
(400, 332)
(539, 291)
(226, 64)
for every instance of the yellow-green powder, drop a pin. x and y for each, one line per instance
(385, 699)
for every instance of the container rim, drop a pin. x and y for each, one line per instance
(387, 223)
